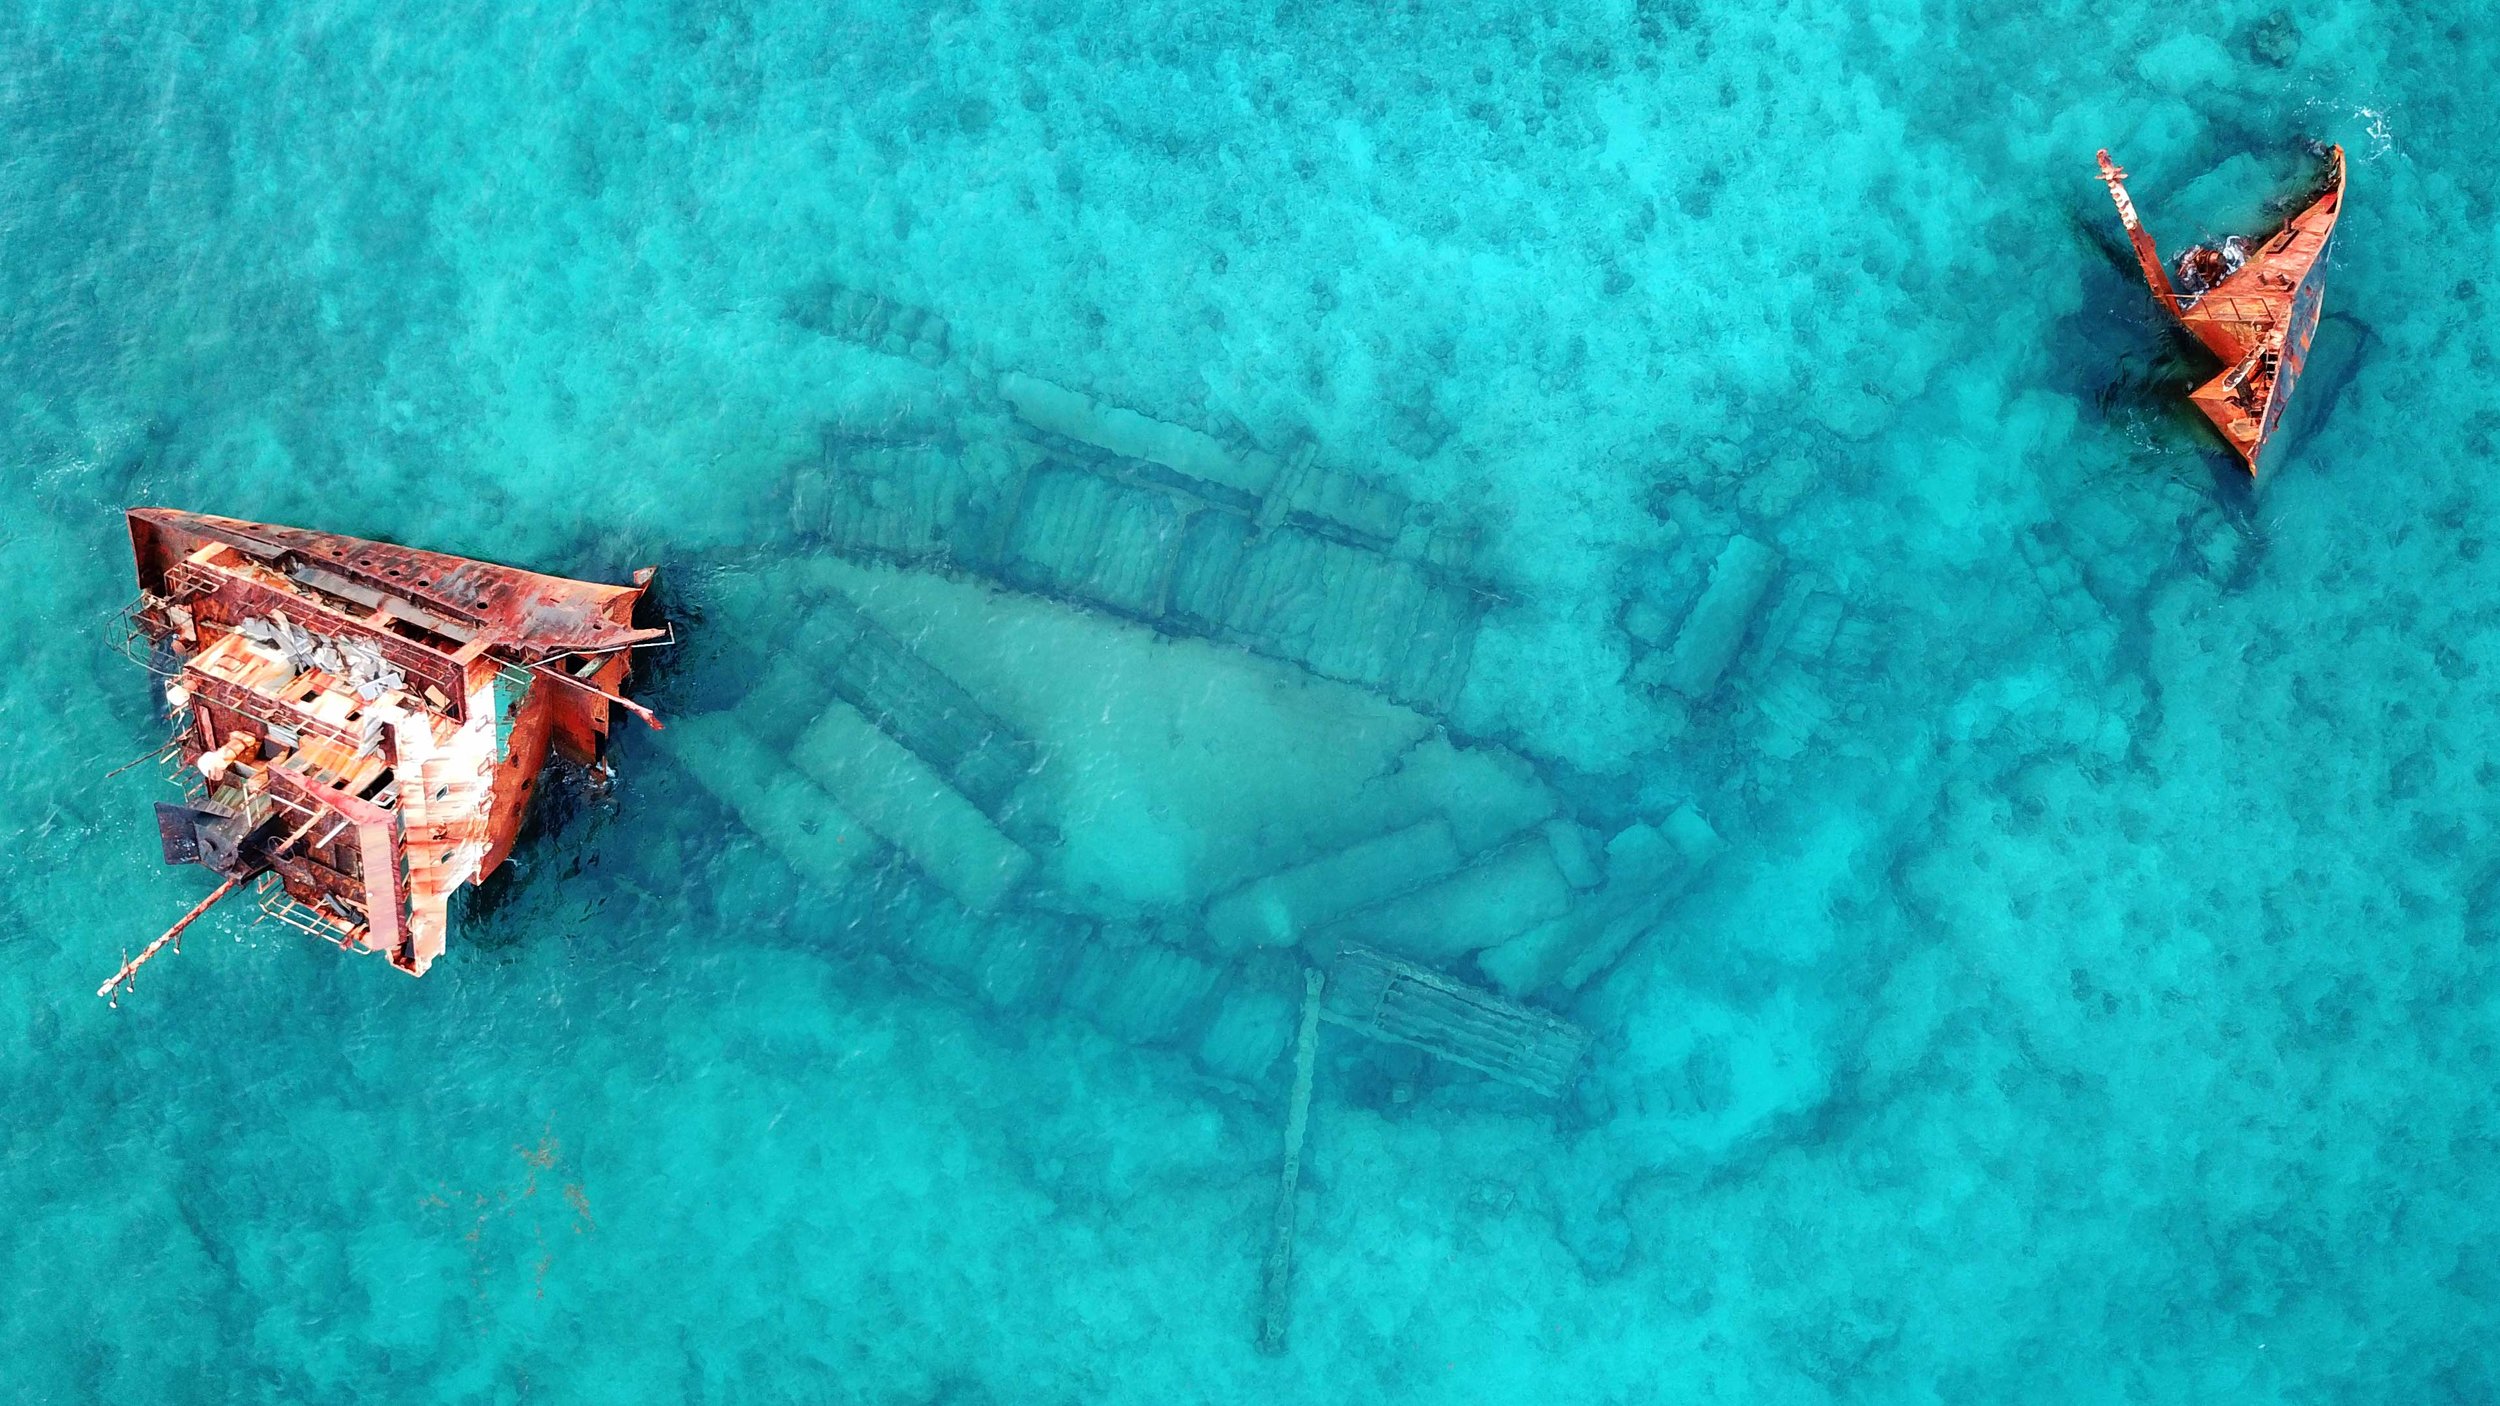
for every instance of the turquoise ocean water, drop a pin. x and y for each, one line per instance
(2091, 995)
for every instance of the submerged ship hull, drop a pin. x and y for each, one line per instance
(360, 725)
(2257, 315)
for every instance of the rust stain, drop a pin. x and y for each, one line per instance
(504, 1227)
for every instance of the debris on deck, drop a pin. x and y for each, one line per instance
(1172, 527)
(863, 318)
(1715, 630)
(868, 667)
(361, 725)
(1406, 1004)
(987, 779)
(912, 805)
(1500, 895)
(791, 814)
(1280, 908)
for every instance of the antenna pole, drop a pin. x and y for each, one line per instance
(158, 755)
(627, 704)
(112, 989)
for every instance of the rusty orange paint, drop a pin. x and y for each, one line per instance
(2258, 317)
(387, 710)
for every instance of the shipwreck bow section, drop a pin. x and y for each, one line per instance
(2255, 306)
(360, 726)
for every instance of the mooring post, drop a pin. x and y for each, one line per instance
(1276, 1300)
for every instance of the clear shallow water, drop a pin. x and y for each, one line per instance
(2093, 999)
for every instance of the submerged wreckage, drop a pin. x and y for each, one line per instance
(360, 726)
(2254, 306)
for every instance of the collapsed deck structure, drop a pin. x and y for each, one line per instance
(360, 726)
(2255, 306)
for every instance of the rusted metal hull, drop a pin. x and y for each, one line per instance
(2255, 307)
(361, 725)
